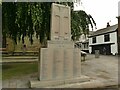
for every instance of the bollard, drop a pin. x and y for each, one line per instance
(97, 54)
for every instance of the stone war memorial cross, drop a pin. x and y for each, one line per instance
(60, 62)
(60, 23)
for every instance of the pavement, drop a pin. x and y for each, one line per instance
(104, 69)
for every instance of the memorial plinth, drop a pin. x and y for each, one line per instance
(60, 62)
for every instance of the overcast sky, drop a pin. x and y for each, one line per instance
(103, 11)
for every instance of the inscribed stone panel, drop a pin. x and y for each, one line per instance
(46, 64)
(76, 63)
(68, 63)
(58, 63)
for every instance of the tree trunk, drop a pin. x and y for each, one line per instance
(3, 41)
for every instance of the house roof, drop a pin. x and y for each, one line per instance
(91, 32)
(105, 30)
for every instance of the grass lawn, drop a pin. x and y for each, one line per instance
(11, 70)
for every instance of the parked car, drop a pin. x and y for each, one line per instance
(83, 54)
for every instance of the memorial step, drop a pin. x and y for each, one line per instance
(57, 83)
(18, 59)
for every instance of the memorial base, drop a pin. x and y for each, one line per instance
(58, 83)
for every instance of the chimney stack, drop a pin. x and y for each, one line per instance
(108, 24)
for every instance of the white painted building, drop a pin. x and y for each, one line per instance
(104, 40)
(83, 42)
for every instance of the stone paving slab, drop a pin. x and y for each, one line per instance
(88, 84)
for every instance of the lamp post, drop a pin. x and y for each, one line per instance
(119, 35)
(119, 28)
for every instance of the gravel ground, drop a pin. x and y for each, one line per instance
(104, 68)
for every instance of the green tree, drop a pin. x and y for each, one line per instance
(81, 24)
(26, 19)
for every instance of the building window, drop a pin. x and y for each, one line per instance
(106, 38)
(94, 40)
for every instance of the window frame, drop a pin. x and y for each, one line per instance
(94, 40)
(107, 37)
